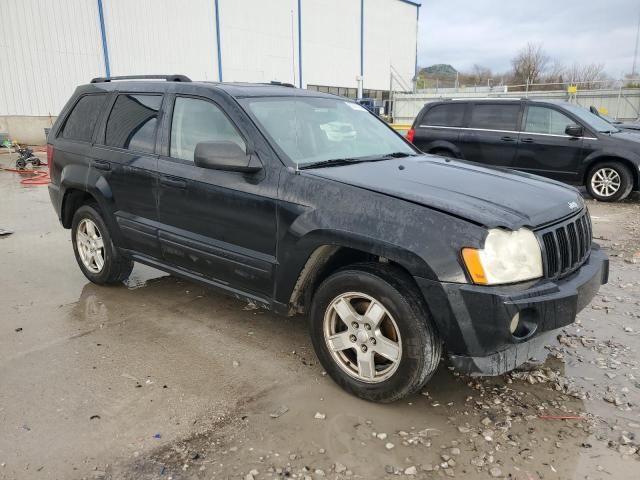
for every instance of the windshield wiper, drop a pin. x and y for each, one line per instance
(329, 163)
(348, 161)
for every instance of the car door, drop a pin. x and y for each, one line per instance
(127, 150)
(544, 148)
(214, 223)
(491, 136)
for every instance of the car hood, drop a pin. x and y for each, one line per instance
(493, 197)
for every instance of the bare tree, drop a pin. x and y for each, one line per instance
(556, 73)
(589, 76)
(529, 64)
(481, 74)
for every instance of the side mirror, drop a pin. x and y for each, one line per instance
(224, 155)
(574, 130)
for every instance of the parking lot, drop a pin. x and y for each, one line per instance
(163, 378)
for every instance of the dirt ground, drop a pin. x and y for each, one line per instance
(164, 379)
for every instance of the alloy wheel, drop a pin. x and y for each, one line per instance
(606, 182)
(362, 337)
(90, 246)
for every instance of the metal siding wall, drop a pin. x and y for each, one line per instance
(47, 48)
(389, 40)
(331, 42)
(161, 37)
(259, 40)
(63, 47)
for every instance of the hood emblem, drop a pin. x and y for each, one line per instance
(572, 205)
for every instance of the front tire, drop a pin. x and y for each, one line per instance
(372, 332)
(609, 182)
(95, 252)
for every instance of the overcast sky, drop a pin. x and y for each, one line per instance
(489, 32)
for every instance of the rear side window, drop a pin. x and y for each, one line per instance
(83, 118)
(197, 121)
(450, 115)
(546, 120)
(133, 122)
(495, 117)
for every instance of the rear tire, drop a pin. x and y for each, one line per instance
(609, 181)
(97, 256)
(391, 330)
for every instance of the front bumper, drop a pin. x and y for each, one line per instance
(474, 320)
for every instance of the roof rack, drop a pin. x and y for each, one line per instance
(168, 78)
(281, 84)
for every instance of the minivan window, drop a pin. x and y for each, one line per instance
(317, 129)
(492, 116)
(83, 118)
(197, 121)
(449, 115)
(133, 121)
(546, 120)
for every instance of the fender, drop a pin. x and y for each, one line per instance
(90, 180)
(294, 259)
(610, 155)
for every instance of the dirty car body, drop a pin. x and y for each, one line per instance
(277, 230)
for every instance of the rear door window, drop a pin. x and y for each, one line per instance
(495, 117)
(449, 115)
(546, 120)
(133, 122)
(196, 121)
(83, 118)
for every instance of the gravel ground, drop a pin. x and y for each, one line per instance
(164, 379)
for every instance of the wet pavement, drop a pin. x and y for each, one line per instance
(164, 379)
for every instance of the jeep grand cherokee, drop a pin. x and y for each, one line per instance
(307, 203)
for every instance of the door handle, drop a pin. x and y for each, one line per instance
(173, 183)
(508, 139)
(527, 140)
(102, 165)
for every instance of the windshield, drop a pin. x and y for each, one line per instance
(311, 129)
(595, 122)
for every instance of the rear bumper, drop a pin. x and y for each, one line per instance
(474, 320)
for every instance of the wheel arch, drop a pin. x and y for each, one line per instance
(444, 145)
(612, 158)
(321, 259)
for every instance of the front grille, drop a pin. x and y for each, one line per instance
(566, 246)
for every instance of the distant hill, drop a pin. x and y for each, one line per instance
(439, 70)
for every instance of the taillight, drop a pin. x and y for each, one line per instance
(410, 134)
(50, 157)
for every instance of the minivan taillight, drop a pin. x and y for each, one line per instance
(410, 134)
(50, 157)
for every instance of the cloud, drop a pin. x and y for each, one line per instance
(490, 32)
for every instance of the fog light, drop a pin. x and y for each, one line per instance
(515, 322)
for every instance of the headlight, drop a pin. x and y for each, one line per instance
(507, 257)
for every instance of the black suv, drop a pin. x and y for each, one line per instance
(307, 203)
(558, 140)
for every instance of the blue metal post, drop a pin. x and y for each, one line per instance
(300, 42)
(218, 41)
(103, 33)
(361, 38)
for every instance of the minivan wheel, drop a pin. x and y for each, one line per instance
(95, 253)
(372, 332)
(609, 182)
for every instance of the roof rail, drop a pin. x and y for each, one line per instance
(168, 78)
(281, 84)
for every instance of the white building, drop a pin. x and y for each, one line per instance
(48, 47)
